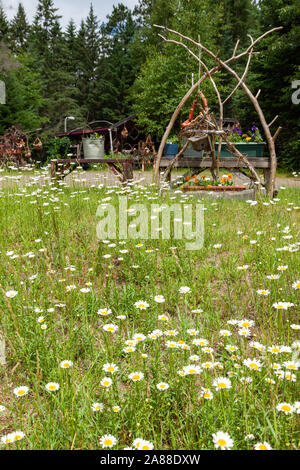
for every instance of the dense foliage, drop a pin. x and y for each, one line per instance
(112, 69)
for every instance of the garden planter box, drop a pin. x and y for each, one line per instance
(93, 148)
(170, 150)
(213, 188)
(251, 149)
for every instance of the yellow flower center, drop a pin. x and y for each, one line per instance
(221, 442)
(221, 385)
(135, 377)
(286, 408)
(262, 447)
(110, 369)
(52, 387)
(21, 392)
(108, 442)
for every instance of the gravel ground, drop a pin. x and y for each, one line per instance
(104, 177)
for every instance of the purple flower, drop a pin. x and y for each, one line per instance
(253, 128)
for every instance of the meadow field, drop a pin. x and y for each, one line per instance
(142, 344)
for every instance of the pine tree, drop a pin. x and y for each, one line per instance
(4, 25)
(117, 67)
(18, 31)
(49, 49)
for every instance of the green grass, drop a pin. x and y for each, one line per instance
(64, 220)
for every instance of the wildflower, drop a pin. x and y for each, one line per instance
(121, 317)
(110, 327)
(297, 407)
(7, 439)
(171, 333)
(244, 332)
(296, 285)
(291, 365)
(129, 349)
(194, 358)
(184, 290)
(136, 376)
(106, 382)
(243, 268)
(66, 364)
(141, 305)
(52, 386)
(207, 365)
(273, 276)
(21, 391)
(200, 342)
(225, 333)
(270, 381)
(137, 442)
(282, 305)
(162, 386)
(193, 332)
(116, 409)
(2, 408)
(282, 268)
(17, 435)
(222, 383)
(233, 322)
(256, 345)
(172, 344)
(246, 323)
(163, 317)
(146, 445)
(41, 319)
(262, 446)
(246, 380)
(112, 368)
(231, 348)
(97, 407)
(206, 394)
(218, 245)
(263, 292)
(192, 370)
(295, 327)
(44, 327)
(107, 441)
(11, 293)
(104, 311)
(249, 437)
(138, 337)
(253, 364)
(197, 310)
(70, 288)
(285, 407)
(159, 299)
(274, 349)
(222, 440)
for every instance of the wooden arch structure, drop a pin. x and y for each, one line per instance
(239, 160)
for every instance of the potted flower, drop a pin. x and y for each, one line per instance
(171, 147)
(205, 183)
(250, 143)
(93, 146)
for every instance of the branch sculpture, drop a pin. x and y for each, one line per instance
(220, 64)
